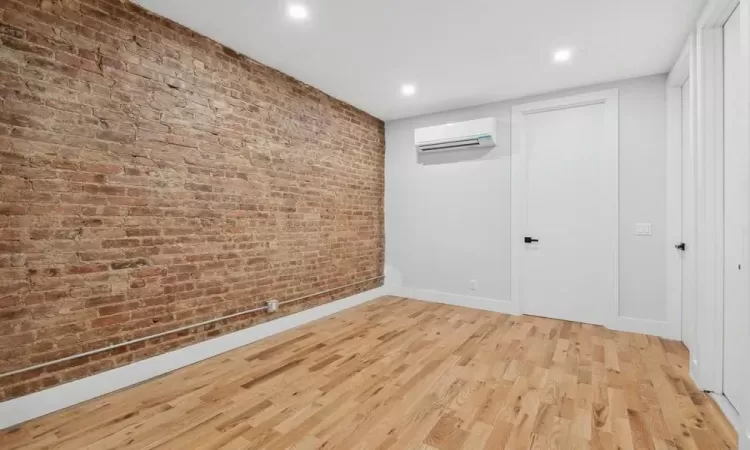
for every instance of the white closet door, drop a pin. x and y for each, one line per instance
(570, 205)
(736, 164)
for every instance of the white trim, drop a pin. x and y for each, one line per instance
(734, 418)
(744, 430)
(694, 370)
(486, 304)
(645, 326)
(675, 81)
(727, 409)
(716, 13)
(711, 205)
(22, 409)
(682, 72)
(707, 370)
(518, 187)
(628, 324)
(710, 193)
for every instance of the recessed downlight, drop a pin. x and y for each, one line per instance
(407, 90)
(297, 11)
(563, 55)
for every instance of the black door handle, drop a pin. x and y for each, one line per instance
(681, 246)
(529, 240)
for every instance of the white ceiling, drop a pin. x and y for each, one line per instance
(457, 52)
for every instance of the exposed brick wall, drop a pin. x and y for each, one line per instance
(151, 178)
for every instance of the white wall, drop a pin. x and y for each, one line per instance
(448, 220)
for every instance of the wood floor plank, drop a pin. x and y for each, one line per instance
(404, 374)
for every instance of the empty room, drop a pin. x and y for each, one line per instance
(371, 225)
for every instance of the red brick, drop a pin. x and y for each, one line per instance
(153, 182)
(104, 300)
(12, 209)
(118, 243)
(91, 268)
(110, 320)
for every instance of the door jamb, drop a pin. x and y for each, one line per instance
(683, 71)
(608, 97)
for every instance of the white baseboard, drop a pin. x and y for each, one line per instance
(743, 435)
(729, 411)
(629, 324)
(644, 326)
(693, 372)
(486, 304)
(22, 409)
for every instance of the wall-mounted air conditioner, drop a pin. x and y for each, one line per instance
(480, 133)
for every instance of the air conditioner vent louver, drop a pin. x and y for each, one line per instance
(479, 133)
(463, 143)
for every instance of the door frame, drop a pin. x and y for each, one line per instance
(683, 70)
(744, 431)
(610, 98)
(708, 371)
(707, 366)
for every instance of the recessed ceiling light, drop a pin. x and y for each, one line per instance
(297, 11)
(408, 90)
(563, 55)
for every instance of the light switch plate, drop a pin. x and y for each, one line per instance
(643, 229)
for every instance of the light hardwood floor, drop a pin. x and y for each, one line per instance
(405, 374)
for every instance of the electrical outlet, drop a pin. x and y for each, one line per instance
(272, 306)
(473, 285)
(643, 229)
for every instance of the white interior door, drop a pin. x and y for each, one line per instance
(568, 191)
(688, 220)
(736, 164)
